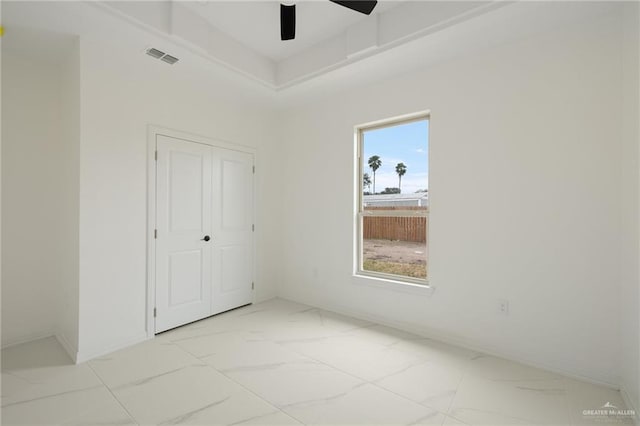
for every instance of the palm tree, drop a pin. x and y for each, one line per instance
(401, 169)
(366, 181)
(375, 163)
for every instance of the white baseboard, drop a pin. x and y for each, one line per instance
(631, 405)
(609, 382)
(84, 356)
(71, 351)
(29, 338)
(76, 356)
(263, 298)
(59, 336)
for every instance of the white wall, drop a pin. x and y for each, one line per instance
(68, 296)
(630, 280)
(525, 198)
(122, 92)
(39, 187)
(534, 185)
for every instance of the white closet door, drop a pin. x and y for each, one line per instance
(232, 229)
(183, 220)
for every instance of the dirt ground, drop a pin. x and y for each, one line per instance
(396, 251)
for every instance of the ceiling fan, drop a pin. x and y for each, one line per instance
(288, 15)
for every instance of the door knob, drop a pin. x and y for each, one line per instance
(206, 238)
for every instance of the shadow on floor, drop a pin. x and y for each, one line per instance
(40, 353)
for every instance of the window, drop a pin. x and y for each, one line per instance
(393, 200)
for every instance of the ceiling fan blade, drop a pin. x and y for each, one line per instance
(362, 6)
(287, 22)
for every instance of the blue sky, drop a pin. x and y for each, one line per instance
(406, 143)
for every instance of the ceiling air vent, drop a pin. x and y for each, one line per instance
(155, 53)
(169, 59)
(159, 54)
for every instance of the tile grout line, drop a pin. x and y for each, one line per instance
(465, 373)
(239, 384)
(364, 380)
(564, 397)
(54, 395)
(283, 346)
(468, 369)
(447, 414)
(423, 359)
(113, 395)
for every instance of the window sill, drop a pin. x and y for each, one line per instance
(393, 285)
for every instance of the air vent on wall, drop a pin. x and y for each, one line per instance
(169, 59)
(158, 54)
(155, 53)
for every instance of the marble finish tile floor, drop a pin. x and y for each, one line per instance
(283, 363)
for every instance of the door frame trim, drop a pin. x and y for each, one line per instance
(152, 132)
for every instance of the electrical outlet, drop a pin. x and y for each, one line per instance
(503, 306)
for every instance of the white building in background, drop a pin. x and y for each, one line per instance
(419, 199)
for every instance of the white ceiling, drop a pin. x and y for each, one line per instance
(414, 35)
(245, 35)
(256, 24)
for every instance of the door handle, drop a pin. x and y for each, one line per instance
(206, 238)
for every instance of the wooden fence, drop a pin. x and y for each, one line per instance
(402, 228)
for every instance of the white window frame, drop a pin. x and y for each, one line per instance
(359, 204)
